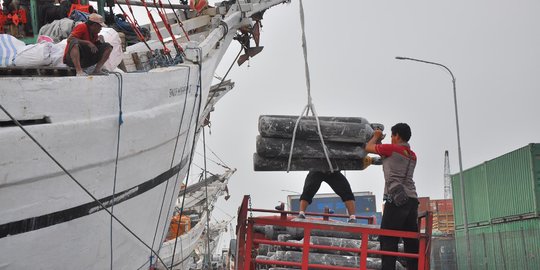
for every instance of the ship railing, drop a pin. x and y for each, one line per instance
(248, 240)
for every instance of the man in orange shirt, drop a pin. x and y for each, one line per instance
(85, 48)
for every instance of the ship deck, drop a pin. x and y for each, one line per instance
(37, 71)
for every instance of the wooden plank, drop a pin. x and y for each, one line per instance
(196, 22)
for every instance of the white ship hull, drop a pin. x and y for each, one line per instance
(47, 221)
(43, 208)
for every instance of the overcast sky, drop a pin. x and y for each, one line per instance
(492, 47)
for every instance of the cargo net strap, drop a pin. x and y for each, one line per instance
(310, 105)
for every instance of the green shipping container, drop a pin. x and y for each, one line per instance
(510, 245)
(501, 189)
(517, 244)
(514, 183)
(476, 197)
(481, 248)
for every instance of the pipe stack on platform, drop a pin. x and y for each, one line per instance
(344, 137)
(317, 256)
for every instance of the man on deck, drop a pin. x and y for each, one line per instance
(85, 48)
(401, 203)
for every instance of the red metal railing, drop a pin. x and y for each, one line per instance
(246, 241)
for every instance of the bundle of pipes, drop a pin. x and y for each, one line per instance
(327, 259)
(329, 238)
(344, 138)
(324, 241)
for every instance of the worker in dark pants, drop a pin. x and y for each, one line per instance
(401, 199)
(337, 181)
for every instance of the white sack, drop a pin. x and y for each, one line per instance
(9, 46)
(111, 36)
(34, 55)
(57, 54)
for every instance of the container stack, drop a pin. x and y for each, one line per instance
(502, 197)
(344, 137)
(423, 206)
(443, 215)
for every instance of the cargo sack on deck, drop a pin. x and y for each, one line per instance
(34, 55)
(280, 147)
(111, 36)
(9, 45)
(337, 129)
(57, 54)
(58, 29)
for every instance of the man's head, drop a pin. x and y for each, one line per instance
(401, 131)
(95, 22)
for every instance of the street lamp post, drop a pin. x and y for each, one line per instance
(461, 184)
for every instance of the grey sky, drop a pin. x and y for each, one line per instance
(492, 47)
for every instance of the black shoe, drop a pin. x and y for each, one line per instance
(351, 220)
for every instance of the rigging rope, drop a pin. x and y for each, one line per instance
(77, 182)
(156, 28)
(174, 150)
(215, 162)
(206, 201)
(180, 23)
(120, 121)
(199, 95)
(224, 77)
(173, 155)
(133, 23)
(223, 162)
(165, 20)
(310, 103)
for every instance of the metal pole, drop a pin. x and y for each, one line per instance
(461, 184)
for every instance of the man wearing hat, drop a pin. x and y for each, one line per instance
(85, 48)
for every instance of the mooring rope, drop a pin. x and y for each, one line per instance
(120, 122)
(199, 95)
(180, 125)
(206, 201)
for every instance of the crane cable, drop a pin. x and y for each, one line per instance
(310, 103)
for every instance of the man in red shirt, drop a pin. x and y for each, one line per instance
(401, 199)
(85, 48)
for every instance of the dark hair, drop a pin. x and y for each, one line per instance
(403, 130)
